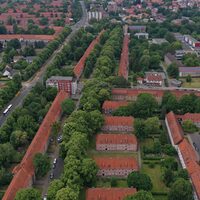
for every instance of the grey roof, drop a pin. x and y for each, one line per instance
(67, 78)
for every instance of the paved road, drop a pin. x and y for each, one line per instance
(27, 86)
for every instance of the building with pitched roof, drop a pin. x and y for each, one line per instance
(188, 156)
(24, 172)
(110, 106)
(78, 69)
(192, 71)
(116, 142)
(174, 129)
(124, 60)
(123, 94)
(194, 117)
(109, 193)
(116, 166)
(118, 124)
(66, 83)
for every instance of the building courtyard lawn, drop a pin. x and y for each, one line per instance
(107, 182)
(94, 153)
(194, 84)
(156, 177)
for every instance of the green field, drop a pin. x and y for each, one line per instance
(156, 177)
(94, 153)
(106, 183)
(194, 84)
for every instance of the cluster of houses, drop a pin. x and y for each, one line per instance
(187, 153)
(51, 11)
(117, 136)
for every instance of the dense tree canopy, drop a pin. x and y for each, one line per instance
(181, 189)
(141, 195)
(28, 194)
(139, 181)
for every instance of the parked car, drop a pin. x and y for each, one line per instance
(59, 139)
(51, 175)
(55, 161)
(54, 166)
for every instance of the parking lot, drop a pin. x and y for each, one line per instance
(195, 139)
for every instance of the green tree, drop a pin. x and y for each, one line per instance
(139, 126)
(54, 186)
(7, 154)
(145, 106)
(183, 173)
(89, 171)
(28, 194)
(68, 106)
(189, 126)
(168, 177)
(188, 78)
(139, 181)
(18, 138)
(67, 194)
(181, 189)
(173, 70)
(152, 126)
(169, 101)
(141, 195)
(41, 164)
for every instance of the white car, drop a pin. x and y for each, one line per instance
(55, 161)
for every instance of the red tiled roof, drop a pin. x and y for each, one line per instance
(154, 92)
(116, 139)
(114, 104)
(187, 152)
(195, 117)
(194, 172)
(175, 128)
(25, 170)
(109, 193)
(27, 37)
(78, 69)
(118, 121)
(153, 77)
(123, 66)
(190, 158)
(117, 163)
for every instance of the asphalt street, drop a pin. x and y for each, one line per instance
(38, 77)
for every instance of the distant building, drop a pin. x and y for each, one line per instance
(116, 142)
(118, 124)
(116, 166)
(109, 193)
(194, 117)
(192, 41)
(9, 72)
(137, 28)
(153, 79)
(169, 59)
(98, 15)
(159, 41)
(179, 54)
(192, 71)
(63, 83)
(110, 106)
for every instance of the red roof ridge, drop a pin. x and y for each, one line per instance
(25, 170)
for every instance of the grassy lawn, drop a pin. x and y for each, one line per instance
(147, 142)
(106, 183)
(194, 84)
(155, 175)
(94, 153)
(160, 197)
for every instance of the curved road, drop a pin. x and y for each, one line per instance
(38, 77)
